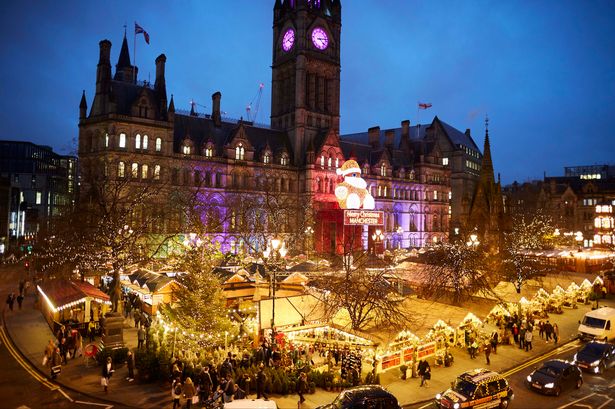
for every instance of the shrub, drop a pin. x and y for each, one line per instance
(148, 365)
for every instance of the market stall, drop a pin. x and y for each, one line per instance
(71, 302)
(152, 288)
(470, 328)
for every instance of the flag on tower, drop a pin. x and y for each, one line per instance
(424, 105)
(139, 30)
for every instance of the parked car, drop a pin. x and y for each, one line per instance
(477, 388)
(554, 376)
(595, 357)
(598, 324)
(364, 397)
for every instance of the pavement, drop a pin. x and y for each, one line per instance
(30, 333)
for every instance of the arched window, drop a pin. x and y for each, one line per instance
(329, 162)
(209, 151)
(135, 170)
(106, 140)
(121, 170)
(322, 161)
(145, 142)
(267, 158)
(383, 170)
(337, 163)
(284, 160)
(144, 171)
(239, 152)
(138, 141)
(122, 141)
(158, 144)
(186, 149)
(156, 172)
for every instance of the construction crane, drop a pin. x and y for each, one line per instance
(256, 102)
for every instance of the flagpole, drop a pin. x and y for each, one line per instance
(134, 56)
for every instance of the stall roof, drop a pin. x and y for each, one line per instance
(62, 292)
(152, 280)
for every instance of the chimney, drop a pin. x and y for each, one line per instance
(468, 132)
(389, 138)
(373, 135)
(405, 129)
(103, 71)
(160, 62)
(215, 108)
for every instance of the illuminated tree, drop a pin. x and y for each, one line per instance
(518, 260)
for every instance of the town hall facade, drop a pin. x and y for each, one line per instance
(422, 177)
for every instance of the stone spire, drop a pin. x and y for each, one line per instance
(83, 106)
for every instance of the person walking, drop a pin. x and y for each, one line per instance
(189, 392)
(555, 333)
(488, 352)
(528, 340)
(302, 387)
(522, 332)
(107, 372)
(56, 363)
(19, 300)
(91, 329)
(548, 331)
(494, 341)
(176, 392)
(140, 337)
(541, 329)
(10, 300)
(130, 364)
(261, 380)
(515, 331)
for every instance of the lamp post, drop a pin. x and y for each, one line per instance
(579, 238)
(309, 231)
(275, 253)
(473, 241)
(377, 237)
(400, 232)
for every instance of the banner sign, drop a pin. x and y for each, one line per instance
(363, 217)
(391, 361)
(426, 350)
(408, 354)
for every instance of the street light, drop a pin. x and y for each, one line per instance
(377, 237)
(400, 238)
(276, 252)
(473, 241)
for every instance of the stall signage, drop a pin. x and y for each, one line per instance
(363, 217)
(408, 354)
(390, 361)
(426, 350)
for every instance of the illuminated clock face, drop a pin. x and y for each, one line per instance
(288, 40)
(320, 38)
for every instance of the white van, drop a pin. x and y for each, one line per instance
(251, 404)
(598, 324)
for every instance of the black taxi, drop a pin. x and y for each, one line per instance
(477, 388)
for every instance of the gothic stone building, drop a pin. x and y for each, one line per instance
(421, 176)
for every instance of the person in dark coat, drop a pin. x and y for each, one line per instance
(424, 372)
(130, 364)
(55, 361)
(229, 388)
(261, 380)
(206, 384)
(10, 300)
(302, 387)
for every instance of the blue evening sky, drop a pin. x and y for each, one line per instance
(544, 71)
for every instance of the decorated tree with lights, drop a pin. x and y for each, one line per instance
(455, 271)
(529, 234)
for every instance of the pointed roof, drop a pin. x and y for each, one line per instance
(83, 103)
(124, 58)
(487, 163)
(171, 105)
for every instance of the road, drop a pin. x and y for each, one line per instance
(22, 386)
(597, 392)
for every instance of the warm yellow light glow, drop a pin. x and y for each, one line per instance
(275, 243)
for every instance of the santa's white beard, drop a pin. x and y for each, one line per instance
(357, 182)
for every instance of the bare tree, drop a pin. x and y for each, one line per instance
(456, 271)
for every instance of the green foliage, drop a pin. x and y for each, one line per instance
(148, 364)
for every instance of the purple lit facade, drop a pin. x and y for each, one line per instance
(412, 171)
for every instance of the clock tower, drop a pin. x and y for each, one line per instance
(305, 90)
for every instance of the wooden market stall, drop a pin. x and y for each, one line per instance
(74, 302)
(152, 288)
